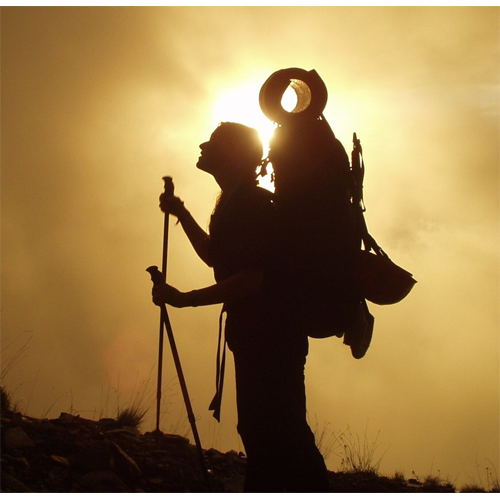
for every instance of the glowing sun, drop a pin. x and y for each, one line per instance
(241, 105)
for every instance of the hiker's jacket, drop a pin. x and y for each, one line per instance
(242, 237)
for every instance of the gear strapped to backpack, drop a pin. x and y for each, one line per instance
(321, 268)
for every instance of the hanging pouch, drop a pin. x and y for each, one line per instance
(380, 280)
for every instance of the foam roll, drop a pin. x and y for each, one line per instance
(309, 88)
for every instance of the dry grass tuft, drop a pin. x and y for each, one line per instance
(360, 455)
(5, 404)
(132, 416)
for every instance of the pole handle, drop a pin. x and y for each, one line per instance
(169, 191)
(156, 276)
(169, 186)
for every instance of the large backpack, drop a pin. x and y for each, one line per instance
(320, 266)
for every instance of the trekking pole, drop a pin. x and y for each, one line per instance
(169, 190)
(158, 278)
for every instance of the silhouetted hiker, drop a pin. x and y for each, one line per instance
(269, 347)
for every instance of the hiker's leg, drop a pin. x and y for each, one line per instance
(262, 474)
(272, 423)
(302, 465)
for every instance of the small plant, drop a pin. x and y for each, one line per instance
(20, 345)
(399, 477)
(492, 479)
(472, 488)
(132, 416)
(357, 455)
(18, 355)
(327, 441)
(431, 482)
(5, 400)
(491, 483)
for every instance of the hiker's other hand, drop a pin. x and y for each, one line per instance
(166, 294)
(172, 205)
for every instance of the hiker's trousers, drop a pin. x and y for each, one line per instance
(281, 452)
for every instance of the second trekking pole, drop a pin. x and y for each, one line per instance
(158, 278)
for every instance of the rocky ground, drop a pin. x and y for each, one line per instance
(71, 454)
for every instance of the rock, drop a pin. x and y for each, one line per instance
(9, 484)
(234, 484)
(18, 462)
(76, 455)
(15, 439)
(60, 460)
(103, 482)
(123, 432)
(108, 423)
(123, 463)
(67, 417)
(93, 456)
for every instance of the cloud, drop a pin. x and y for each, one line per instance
(99, 104)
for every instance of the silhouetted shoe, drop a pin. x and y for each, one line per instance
(358, 337)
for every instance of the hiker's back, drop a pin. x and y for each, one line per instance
(316, 226)
(322, 275)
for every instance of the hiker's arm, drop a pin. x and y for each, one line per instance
(199, 239)
(242, 285)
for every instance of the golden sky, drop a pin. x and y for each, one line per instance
(98, 104)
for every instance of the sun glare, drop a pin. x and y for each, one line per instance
(241, 105)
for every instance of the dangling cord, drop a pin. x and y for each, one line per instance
(215, 405)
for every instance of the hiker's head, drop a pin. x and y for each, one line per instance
(234, 151)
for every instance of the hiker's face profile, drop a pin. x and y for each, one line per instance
(233, 152)
(215, 153)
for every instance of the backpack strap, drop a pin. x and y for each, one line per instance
(216, 403)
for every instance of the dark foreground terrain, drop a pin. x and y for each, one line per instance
(75, 455)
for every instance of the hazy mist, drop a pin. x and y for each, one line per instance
(98, 104)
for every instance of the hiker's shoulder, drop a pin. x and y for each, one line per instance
(256, 195)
